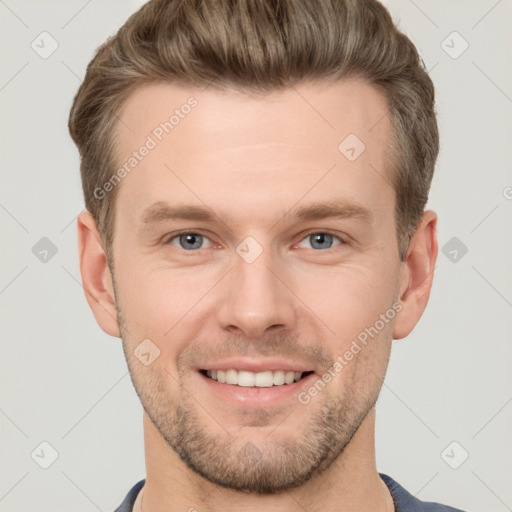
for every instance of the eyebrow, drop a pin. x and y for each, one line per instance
(162, 211)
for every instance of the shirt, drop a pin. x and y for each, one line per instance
(404, 501)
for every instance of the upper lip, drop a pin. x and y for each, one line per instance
(257, 366)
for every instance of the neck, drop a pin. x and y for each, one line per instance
(351, 483)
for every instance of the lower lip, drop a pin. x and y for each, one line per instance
(253, 396)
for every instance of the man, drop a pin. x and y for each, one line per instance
(255, 175)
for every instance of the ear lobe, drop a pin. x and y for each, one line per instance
(96, 277)
(417, 275)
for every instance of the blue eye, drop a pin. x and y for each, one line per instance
(188, 241)
(191, 241)
(321, 240)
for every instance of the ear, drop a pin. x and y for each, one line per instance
(416, 275)
(96, 277)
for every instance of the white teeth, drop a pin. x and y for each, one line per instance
(231, 377)
(244, 378)
(278, 378)
(264, 380)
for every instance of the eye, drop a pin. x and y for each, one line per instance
(321, 240)
(189, 241)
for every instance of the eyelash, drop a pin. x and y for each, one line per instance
(168, 240)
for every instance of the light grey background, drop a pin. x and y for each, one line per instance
(65, 382)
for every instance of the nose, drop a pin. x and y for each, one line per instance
(254, 298)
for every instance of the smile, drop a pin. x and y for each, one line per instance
(263, 379)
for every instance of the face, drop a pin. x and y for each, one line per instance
(250, 249)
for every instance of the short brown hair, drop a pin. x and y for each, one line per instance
(261, 46)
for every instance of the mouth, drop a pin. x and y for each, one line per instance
(264, 379)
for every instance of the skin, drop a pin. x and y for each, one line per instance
(253, 161)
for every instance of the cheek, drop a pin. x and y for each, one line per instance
(349, 298)
(157, 294)
(158, 303)
(361, 363)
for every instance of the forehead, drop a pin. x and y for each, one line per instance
(234, 149)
